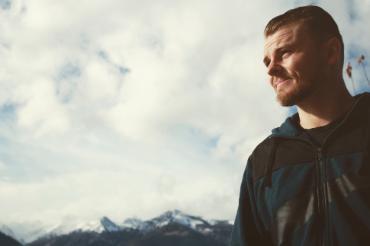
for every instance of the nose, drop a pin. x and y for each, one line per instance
(274, 68)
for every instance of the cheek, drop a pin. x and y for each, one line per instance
(311, 71)
(296, 67)
(303, 70)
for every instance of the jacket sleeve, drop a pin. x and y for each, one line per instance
(247, 229)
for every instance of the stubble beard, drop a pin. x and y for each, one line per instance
(293, 96)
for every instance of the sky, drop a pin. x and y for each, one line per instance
(132, 108)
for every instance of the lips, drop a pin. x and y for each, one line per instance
(280, 82)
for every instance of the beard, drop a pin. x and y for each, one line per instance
(304, 80)
(297, 92)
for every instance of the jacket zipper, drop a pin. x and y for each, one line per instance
(321, 197)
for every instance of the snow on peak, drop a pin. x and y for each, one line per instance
(27, 233)
(109, 225)
(132, 223)
(24, 232)
(7, 231)
(176, 216)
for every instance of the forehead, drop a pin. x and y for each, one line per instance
(285, 35)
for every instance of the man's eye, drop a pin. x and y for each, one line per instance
(286, 53)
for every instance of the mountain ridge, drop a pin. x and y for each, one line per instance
(168, 226)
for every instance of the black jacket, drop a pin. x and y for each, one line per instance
(295, 192)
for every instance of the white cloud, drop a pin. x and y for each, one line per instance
(172, 131)
(39, 111)
(2, 166)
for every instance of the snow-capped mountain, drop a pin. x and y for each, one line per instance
(7, 231)
(177, 216)
(72, 225)
(109, 225)
(133, 223)
(24, 232)
(8, 241)
(130, 225)
(28, 232)
(166, 218)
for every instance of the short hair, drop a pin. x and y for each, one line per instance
(316, 19)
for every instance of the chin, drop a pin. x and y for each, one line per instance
(294, 94)
(288, 99)
(286, 103)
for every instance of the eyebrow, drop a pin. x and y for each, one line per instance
(278, 50)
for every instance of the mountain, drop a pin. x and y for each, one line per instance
(8, 241)
(109, 225)
(177, 216)
(170, 228)
(166, 218)
(28, 232)
(7, 231)
(179, 235)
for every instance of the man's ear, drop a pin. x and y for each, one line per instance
(333, 50)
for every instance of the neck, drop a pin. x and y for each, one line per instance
(324, 106)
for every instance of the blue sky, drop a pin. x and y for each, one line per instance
(130, 108)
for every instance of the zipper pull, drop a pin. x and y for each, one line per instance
(319, 153)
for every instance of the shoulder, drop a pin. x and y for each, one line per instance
(261, 148)
(259, 158)
(263, 154)
(363, 98)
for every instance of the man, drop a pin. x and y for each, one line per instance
(308, 183)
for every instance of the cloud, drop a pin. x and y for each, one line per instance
(136, 106)
(5, 4)
(2, 166)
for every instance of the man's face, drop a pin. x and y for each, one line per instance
(294, 63)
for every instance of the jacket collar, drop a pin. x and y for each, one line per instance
(289, 128)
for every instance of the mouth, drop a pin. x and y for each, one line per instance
(280, 82)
